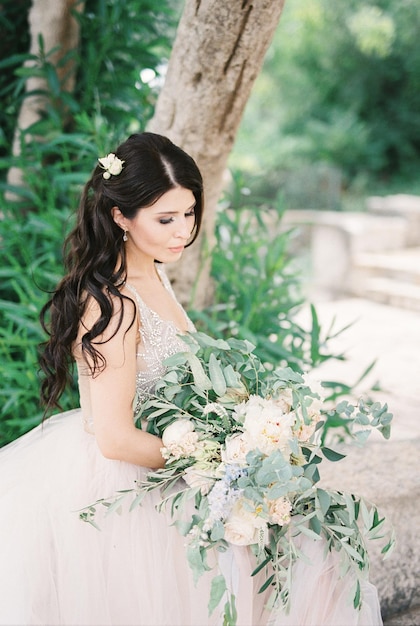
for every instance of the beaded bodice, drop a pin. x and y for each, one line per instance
(159, 339)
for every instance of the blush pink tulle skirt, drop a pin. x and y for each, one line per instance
(56, 570)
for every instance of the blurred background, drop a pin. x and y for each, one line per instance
(321, 194)
(316, 251)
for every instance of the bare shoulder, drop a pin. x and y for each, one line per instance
(122, 321)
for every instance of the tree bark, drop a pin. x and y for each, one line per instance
(218, 52)
(54, 20)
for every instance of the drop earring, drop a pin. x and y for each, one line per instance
(125, 238)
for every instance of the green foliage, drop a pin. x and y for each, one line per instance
(340, 86)
(57, 154)
(258, 286)
(119, 41)
(257, 282)
(30, 266)
(110, 97)
(253, 467)
(14, 41)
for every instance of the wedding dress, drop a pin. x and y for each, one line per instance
(56, 570)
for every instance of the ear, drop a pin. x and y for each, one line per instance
(119, 218)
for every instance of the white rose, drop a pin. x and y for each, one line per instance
(111, 164)
(235, 450)
(175, 432)
(242, 527)
(199, 478)
(106, 161)
(303, 430)
(115, 167)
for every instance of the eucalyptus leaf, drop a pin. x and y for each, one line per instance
(217, 378)
(332, 455)
(217, 590)
(232, 377)
(207, 340)
(324, 499)
(197, 562)
(179, 358)
(201, 379)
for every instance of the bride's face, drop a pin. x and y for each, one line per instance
(161, 231)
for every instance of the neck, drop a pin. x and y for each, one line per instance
(140, 266)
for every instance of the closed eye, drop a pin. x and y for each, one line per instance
(169, 220)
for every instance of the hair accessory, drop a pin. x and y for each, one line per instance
(125, 238)
(111, 164)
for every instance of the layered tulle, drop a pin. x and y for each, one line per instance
(56, 570)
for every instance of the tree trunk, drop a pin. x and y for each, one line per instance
(218, 53)
(54, 20)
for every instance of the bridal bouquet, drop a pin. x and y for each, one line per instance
(243, 451)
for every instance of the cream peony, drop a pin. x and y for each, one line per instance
(179, 439)
(235, 450)
(242, 527)
(266, 425)
(175, 432)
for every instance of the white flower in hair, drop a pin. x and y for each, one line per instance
(111, 164)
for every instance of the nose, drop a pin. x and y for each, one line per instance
(184, 229)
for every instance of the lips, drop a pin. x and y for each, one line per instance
(177, 250)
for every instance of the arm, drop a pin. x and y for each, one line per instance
(112, 393)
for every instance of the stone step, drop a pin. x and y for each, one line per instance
(402, 265)
(403, 205)
(388, 291)
(357, 232)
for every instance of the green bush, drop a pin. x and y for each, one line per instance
(57, 155)
(30, 265)
(258, 285)
(340, 87)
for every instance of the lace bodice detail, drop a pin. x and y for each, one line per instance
(159, 339)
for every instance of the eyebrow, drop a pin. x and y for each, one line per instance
(175, 212)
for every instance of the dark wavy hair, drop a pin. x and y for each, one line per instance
(94, 253)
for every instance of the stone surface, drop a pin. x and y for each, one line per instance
(386, 472)
(404, 205)
(389, 291)
(391, 278)
(333, 240)
(402, 265)
(407, 618)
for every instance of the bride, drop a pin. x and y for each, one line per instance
(115, 314)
